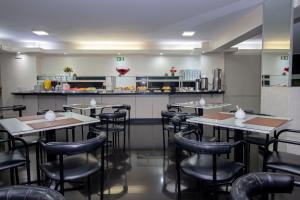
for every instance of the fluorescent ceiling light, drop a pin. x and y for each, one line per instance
(40, 32)
(188, 33)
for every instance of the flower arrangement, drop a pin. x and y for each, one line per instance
(173, 70)
(68, 69)
(285, 70)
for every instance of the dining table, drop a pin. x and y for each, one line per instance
(252, 123)
(200, 107)
(82, 107)
(21, 126)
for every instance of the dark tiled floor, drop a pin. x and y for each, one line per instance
(146, 173)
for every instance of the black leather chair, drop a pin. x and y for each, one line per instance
(29, 193)
(76, 161)
(205, 165)
(13, 158)
(113, 123)
(126, 108)
(253, 184)
(282, 161)
(167, 124)
(174, 108)
(15, 108)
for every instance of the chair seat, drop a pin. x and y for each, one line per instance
(286, 162)
(110, 128)
(75, 167)
(30, 140)
(255, 139)
(11, 159)
(200, 166)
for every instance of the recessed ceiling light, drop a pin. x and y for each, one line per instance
(65, 53)
(188, 33)
(119, 53)
(161, 54)
(40, 32)
(19, 52)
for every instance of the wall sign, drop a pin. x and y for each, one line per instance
(120, 58)
(284, 57)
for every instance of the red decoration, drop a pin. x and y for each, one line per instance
(122, 70)
(286, 69)
(173, 69)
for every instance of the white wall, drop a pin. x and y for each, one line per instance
(16, 74)
(104, 65)
(283, 101)
(273, 65)
(242, 80)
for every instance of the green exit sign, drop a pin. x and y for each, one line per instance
(284, 57)
(120, 58)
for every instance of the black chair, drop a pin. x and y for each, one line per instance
(29, 193)
(253, 184)
(113, 123)
(173, 108)
(167, 124)
(76, 161)
(13, 158)
(15, 108)
(126, 108)
(282, 161)
(205, 165)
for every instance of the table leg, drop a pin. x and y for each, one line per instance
(200, 113)
(50, 137)
(238, 150)
(92, 114)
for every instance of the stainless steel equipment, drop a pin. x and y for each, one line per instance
(217, 79)
(198, 85)
(204, 83)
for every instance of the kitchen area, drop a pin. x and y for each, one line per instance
(147, 86)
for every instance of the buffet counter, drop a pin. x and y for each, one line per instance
(111, 93)
(144, 105)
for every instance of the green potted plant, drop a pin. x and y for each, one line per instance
(68, 70)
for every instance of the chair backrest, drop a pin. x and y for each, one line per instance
(201, 147)
(252, 184)
(29, 193)
(71, 148)
(171, 107)
(42, 112)
(114, 115)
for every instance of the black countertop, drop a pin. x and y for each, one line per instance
(113, 93)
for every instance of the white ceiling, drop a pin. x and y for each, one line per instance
(115, 24)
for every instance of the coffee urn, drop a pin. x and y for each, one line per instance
(217, 79)
(198, 85)
(204, 83)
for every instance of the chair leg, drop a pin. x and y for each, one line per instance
(124, 135)
(28, 173)
(67, 135)
(89, 187)
(17, 175)
(12, 175)
(102, 175)
(73, 134)
(82, 133)
(227, 140)
(164, 142)
(178, 174)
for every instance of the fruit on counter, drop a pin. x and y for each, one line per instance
(82, 89)
(142, 88)
(47, 84)
(129, 87)
(164, 88)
